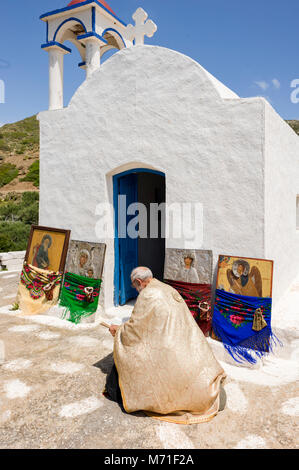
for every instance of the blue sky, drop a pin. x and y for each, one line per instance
(252, 47)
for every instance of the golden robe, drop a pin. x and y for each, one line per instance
(165, 365)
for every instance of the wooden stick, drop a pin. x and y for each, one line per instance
(105, 324)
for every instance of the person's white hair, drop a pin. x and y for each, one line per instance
(141, 273)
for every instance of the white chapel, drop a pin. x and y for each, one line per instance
(152, 124)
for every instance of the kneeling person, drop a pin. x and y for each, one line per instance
(163, 363)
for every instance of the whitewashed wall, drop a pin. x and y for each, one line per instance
(281, 190)
(155, 108)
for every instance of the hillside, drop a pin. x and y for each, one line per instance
(19, 156)
(19, 182)
(294, 125)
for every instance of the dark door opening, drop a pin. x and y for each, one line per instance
(145, 187)
(151, 251)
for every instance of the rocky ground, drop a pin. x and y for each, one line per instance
(54, 372)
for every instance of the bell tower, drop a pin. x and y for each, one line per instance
(94, 28)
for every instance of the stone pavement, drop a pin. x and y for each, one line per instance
(54, 373)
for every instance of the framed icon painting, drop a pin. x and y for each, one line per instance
(47, 248)
(190, 273)
(243, 307)
(249, 277)
(189, 266)
(86, 259)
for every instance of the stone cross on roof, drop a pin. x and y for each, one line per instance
(141, 27)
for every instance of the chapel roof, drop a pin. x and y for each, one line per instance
(105, 4)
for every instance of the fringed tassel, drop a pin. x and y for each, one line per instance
(75, 317)
(250, 350)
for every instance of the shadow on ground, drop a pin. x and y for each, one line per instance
(105, 365)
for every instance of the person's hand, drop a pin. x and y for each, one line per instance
(113, 329)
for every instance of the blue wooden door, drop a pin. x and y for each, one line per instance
(128, 247)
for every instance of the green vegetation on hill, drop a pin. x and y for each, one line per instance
(17, 213)
(33, 174)
(20, 138)
(13, 236)
(294, 125)
(19, 143)
(8, 173)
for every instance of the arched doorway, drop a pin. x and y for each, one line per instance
(139, 230)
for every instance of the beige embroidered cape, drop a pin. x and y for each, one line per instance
(165, 364)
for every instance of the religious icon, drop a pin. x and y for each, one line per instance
(86, 259)
(245, 276)
(245, 280)
(187, 272)
(41, 253)
(190, 273)
(189, 266)
(243, 306)
(47, 248)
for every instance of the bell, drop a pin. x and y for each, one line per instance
(259, 323)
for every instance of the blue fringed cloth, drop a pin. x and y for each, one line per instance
(233, 322)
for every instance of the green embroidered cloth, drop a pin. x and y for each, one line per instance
(80, 296)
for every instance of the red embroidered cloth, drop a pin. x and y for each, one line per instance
(194, 294)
